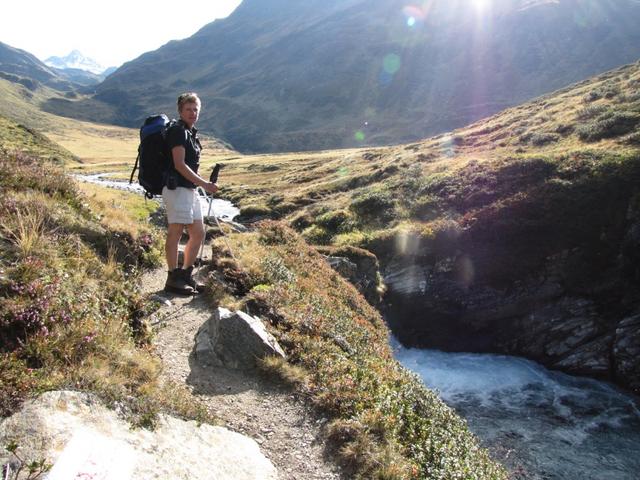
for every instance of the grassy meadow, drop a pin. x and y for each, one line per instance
(364, 197)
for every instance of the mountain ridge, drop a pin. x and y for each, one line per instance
(283, 76)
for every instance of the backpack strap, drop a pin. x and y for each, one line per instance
(135, 167)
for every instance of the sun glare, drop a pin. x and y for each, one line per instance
(481, 5)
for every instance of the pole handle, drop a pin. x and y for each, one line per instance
(214, 173)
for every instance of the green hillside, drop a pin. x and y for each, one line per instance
(22, 138)
(597, 117)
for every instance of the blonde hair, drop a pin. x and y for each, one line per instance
(188, 97)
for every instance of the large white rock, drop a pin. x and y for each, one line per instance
(84, 439)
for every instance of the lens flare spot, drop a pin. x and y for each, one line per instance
(415, 12)
(447, 146)
(465, 271)
(391, 63)
(359, 136)
(343, 171)
(407, 242)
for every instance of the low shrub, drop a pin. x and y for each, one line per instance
(302, 221)
(317, 235)
(632, 139)
(341, 221)
(543, 138)
(610, 124)
(592, 111)
(592, 96)
(374, 206)
(564, 129)
(425, 207)
(609, 90)
(284, 208)
(254, 211)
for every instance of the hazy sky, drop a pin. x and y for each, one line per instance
(110, 31)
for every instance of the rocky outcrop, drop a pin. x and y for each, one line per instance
(235, 340)
(360, 267)
(538, 266)
(83, 439)
(626, 351)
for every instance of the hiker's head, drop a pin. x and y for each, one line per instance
(189, 108)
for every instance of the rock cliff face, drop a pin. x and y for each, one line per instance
(358, 266)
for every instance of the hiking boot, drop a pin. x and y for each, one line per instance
(177, 283)
(192, 282)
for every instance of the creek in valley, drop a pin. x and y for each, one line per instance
(540, 424)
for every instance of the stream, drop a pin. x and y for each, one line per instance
(222, 209)
(541, 424)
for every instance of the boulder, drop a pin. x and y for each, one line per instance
(83, 439)
(345, 267)
(235, 340)
(358, 266)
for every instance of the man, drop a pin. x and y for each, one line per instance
(180, 197)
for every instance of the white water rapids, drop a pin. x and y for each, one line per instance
(540, 423)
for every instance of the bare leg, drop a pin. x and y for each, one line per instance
(171, 246)
(196, 236)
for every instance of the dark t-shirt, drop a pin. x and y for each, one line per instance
(180, 135)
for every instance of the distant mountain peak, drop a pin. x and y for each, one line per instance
(75, 59)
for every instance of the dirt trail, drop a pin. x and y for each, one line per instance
(287, 430)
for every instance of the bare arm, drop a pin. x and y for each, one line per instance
(183, 169)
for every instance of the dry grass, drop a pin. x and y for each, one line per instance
(101, 148)
(25, 232)
(119, 210)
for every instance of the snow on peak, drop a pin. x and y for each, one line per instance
(77, 60)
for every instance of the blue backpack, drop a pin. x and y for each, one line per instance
(154, 158)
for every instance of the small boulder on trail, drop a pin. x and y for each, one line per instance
(235, 340)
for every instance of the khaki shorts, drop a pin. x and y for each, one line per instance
(182, 204)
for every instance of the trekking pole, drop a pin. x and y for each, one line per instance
(213, 179)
